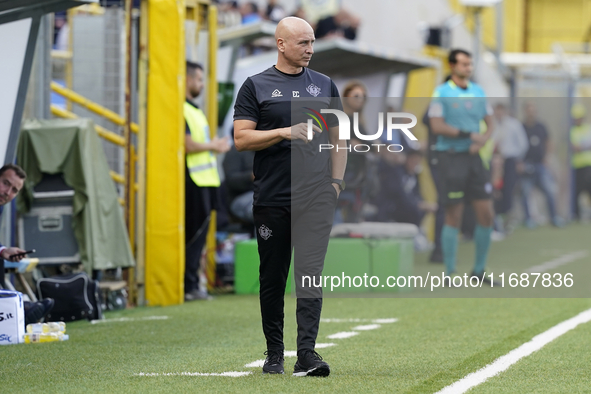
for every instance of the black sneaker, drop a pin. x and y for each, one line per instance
(273, 362)
(36, 311)
(310, 364)
(486, 280)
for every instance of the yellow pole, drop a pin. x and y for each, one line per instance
(129, 172)
(141, 153)
(212, 112)
(212, 82)
(101, 131)
(69, 62)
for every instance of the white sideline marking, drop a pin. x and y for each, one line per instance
(342, 335)
(367, 327)
(232, 374)
(324, 345)
(343, 320)
(286, 353)
(504, 362)
(128, 319)
(385, 321)
(558, 262)
(381, 321)
(255, 364)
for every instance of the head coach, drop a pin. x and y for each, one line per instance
(296, 186)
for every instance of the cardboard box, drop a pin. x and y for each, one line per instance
(12, 317)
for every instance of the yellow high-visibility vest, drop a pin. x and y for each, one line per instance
(581, 135)
(203, 165)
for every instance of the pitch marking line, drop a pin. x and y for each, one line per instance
(367, 327)
(233, 374)
(504, 362)
(343, 335)
(380, 321)
(128, 319)
(260, 363)
(558, 262)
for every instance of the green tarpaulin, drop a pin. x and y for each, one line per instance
(73, 148)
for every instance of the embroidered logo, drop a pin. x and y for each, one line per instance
(265, 232)
(276, 93)
(313, 90)
(295, 93)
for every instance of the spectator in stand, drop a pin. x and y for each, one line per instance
(534, 171)
(250, 13)
(343, 24)
(274, 11)
(300, 12)
(580, 138)
(229, 14)
(511, 142)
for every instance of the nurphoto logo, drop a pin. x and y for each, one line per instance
(345, 129)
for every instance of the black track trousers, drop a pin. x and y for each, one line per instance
(305, 229)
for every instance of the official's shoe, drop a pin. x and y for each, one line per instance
(486, 280)
(273, 362)
(310, 364)
(558, 222)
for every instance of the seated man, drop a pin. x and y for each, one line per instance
(12, 179)
(400, 197)
(343, 24)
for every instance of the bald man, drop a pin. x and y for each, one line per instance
(296, 186)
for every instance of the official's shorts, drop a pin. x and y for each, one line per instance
(464, 178)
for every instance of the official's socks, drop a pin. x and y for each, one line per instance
(482, 241)
(449, 245)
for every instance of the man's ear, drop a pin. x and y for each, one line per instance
(281, 45)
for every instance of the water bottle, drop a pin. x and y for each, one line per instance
(45, 337)
(44, 328)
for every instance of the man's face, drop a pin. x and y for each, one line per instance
(463, 67)
(10, 185)
(299, 48)
(195, 83)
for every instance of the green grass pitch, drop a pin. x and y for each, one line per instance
(435, 342)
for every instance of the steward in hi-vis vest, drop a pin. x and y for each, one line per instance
(201, 180)
(202, 165)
